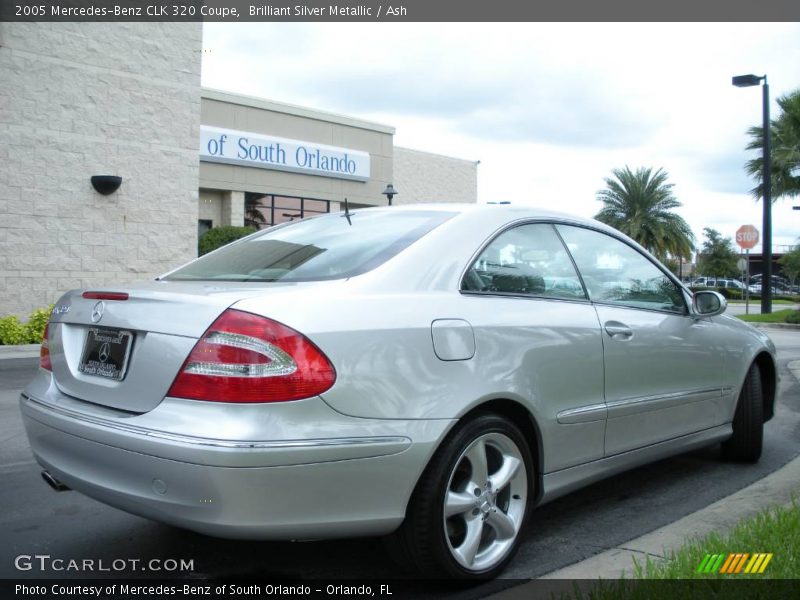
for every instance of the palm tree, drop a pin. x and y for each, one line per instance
(785, 132)
(640, 204)
(253, 217)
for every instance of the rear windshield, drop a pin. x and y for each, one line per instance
(327, 247)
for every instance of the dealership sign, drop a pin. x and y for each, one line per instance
(269, 152)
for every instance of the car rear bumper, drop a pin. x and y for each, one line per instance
(272, 486)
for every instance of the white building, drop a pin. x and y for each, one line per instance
(124, 99)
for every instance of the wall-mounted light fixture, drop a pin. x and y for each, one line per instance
(106, 184)
(390, 192)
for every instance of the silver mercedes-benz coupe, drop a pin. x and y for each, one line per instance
(429, 372)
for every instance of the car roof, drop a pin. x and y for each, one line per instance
(511, 212)
(498, 215)
(464, 207)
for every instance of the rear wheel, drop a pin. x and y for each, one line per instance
(748, 421)
(468, 510)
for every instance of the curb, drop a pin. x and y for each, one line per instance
(21, 350)
(19, 357)
(776, 326)
(777, 488)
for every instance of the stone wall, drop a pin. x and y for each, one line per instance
(425, 177)
(83, 99)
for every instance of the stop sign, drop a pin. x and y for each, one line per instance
(746, 237)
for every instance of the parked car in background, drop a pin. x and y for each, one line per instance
(713, 282)
(780, 285)
(430, 373)
(731, 284)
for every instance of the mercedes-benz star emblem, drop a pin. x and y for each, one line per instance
(97, 311)
(105, 351)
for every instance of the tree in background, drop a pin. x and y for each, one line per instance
(785, 150)
(717, 257)
(640, 204)
(790, 264)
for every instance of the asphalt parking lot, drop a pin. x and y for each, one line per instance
(36, 520)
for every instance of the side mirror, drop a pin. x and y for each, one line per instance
(708, 303)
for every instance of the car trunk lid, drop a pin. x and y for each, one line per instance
(125, 353)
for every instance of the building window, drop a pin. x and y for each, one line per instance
(265, 210)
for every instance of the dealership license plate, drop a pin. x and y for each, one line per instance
(106, 353)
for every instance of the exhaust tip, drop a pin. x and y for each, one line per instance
(53, 482)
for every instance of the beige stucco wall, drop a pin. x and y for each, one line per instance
(256, 115)
(83, 99)
(426, 177)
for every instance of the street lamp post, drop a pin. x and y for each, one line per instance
(390, 192)
(766, 179)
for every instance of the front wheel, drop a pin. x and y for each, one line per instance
(469, 508)
(748, 421)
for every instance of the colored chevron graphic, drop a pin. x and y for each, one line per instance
(735, 563)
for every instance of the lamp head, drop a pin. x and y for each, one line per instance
(389, 192)
(746, 80)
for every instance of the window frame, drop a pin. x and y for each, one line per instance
(669, 275)
(506, 228)
(684, 294)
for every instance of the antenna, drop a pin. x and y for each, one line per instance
(347, 212)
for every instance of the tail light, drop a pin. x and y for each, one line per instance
(244, 357)
(44, 352)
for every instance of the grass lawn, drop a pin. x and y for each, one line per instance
(757, 300)
(775, 531)
(775, 317)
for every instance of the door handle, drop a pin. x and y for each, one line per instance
(618, 331)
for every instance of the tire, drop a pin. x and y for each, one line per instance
(748, 422)
(480, 476)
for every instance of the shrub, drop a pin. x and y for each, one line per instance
(730, 293)
(794, 318)
(727, 293)
(34, 328)
(219, 236)
(12, 332)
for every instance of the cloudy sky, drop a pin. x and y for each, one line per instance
(548, 109)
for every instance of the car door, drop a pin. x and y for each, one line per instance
(663, 367)
(538, 338)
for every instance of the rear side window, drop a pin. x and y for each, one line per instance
(316, 249)
(527, 260)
